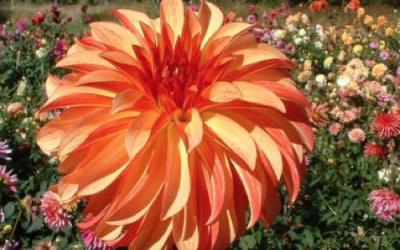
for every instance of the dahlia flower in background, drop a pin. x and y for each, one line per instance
(8, 179)
(385, 204)
(387, 125)
(173, 127)
(5, 151)
(55, 215)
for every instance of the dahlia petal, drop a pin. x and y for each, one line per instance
(139, 132)
(84, 61)
(211, 19)
(88, 123)
(229, 30)
(260, 95)
(132, 20)
(222, 92)
(49, 137)
(234, 136)
(109, 160)
(216, 181)
(270, 149)
(253, 190)
(152, 229)
(142, 195)
(185, 225)
(113, 234)
(87, 43)
(177, 179)
(194, 129)
(52, 83)
(125, 100)
(110, 79)
(172, 13)
(286, 90)
(114, 35)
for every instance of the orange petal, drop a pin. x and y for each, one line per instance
(258, 94)
(234, 136)
(172, 13)
(177, 186)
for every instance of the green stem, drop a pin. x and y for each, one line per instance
(16, 224)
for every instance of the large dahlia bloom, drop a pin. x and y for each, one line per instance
(171, 128)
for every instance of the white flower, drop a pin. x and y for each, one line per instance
(302, 32)
(21, 86)
(306, 39)
(343, 80)
(384, 175)
(40, 53)
(320, 80)
(278, 34)
(328, 62)
(318, 45)
(44, 41)
(298, 40)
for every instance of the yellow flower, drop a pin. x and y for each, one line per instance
(328, 62)
(341, 55)
(379, 70)
(368, 20)
(347, 38)
(389, 31)
(382, 44)
(358, 49)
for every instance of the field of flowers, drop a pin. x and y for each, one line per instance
(350, 74)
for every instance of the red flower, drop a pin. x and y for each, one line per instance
(38, 18)
(318, 5)
(387, 125)
(371, 149)
(353, 5)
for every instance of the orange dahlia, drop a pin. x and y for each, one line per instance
(171, 128)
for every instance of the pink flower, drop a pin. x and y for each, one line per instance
(385, 204)
(356, 135)
(55, 216)
(387, 125)
(92, 242)
(348, 116)
(5, 151)
(334, 128)
(8, 179)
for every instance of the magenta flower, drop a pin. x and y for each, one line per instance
(384, 55)
(5, 151)
(8, 179)
(55, 216)
(385, 204)
(21, 25)
(398, 71)
(92, 242)
(252, 19)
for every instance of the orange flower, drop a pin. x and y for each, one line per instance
(318, 5)
(172, 127)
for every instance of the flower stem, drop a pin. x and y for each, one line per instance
(15, 224)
